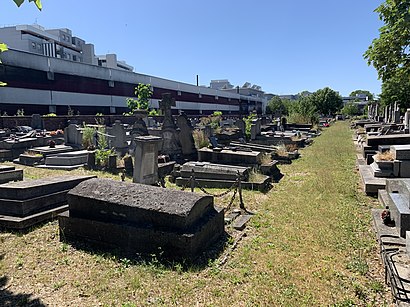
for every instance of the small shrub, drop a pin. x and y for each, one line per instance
(281, 150)
(255, 176)
(291, 147)
(153, 112)
(20, 112)
(101, 156)
(266, 158)
(88, 136)
(50, 115)
(248, 124)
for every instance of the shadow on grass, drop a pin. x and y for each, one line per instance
(158, 259)
(8, 298)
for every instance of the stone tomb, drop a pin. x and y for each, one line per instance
(136, 218)
(210, 175)
(396, 196)
(66, 160)
(398, 167)
(227, 156)
(10, 173)
(26, 203)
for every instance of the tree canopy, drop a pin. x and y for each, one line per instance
(362, 92)
(326, 101)
(276, 106)
(390, 53)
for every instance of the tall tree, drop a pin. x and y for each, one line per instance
(390, 53)
(362, 92)
(276, 106)
(326, 101)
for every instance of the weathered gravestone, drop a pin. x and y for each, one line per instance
(170, 141)
(73, 136)
(146, 159)
(119, 140)
(241, 125)
(185, 136)
(37, 122)
(135, 218)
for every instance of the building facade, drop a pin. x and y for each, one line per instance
(63, 72)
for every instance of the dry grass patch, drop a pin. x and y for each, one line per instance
(385, 156)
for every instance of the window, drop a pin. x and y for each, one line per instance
(74, 58)
(33, 44)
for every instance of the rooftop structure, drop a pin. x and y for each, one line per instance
(57, 43)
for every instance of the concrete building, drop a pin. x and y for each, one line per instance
(57, 43)
(48, 71)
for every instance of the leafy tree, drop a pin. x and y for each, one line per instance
(303, 111)
(143, 93)
(396, 89)
(362, 92)
(390, 53)
(36, 2)
(276, 106)
(350, 109)
(326, 101)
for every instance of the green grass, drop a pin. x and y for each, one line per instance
(310, 244)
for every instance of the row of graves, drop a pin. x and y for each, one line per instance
(141, 216)
(383, 160)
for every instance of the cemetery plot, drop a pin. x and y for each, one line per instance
(141, 218)
(26, 203)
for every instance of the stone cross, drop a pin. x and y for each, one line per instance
(165, 104)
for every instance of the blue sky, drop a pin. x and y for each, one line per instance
(284, 46)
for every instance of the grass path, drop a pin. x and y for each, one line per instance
(311, 244)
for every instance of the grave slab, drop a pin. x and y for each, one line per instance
(26, 203)
(207, 170)
(138, 218)
(371, 184)
(20, 223)
(11, 175)
(227, 156)
(34, 188)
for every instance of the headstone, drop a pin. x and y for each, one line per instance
(146, 159)
(185, 136)
(141, 219)
(254, 132)
(139, 127)
(118, 131)
(407, 121)
(386, 114)
(37, 122)
(241, 125)
(73, 136)
(170, 141)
